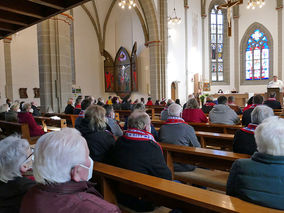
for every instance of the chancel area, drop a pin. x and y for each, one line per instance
(163, 106)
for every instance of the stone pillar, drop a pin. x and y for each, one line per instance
(203, 16)
(236, 17)
(163, 6)
(155, 69)
(54, 52)
(279, 8)
(186, 45)
(8, 68)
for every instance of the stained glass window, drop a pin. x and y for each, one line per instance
(217, 44)
(257, 57)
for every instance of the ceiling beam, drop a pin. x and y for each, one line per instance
(13, 22)
(23, 8)
(13, 18)
(49, 3)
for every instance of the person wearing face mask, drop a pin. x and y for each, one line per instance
(12, 115)
(15, 159)
(62, 168)
(138, 150)
(110, 115)
(26, 117)
(177, 131)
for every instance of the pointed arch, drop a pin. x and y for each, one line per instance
(265, 60)
(219, 44)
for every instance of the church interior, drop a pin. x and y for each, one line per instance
(167, 105)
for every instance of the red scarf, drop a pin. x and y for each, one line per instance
(140, 135)
(175, 120)
(82, 114)
(250, 128)
(254, 105)
(271, 99)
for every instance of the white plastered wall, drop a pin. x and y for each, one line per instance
(123, 29)
(177, 47)
(267, 16)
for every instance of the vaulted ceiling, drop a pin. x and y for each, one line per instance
(16, 15)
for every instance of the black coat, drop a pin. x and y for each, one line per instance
(273, 104)
(246, 119)
(141, 156)
(244, 143)
(100, 142)
(12, 192)
(69, 109)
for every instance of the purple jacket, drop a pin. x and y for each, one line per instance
(70, 197)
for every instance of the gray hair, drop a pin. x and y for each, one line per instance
(260, 113)
(269, 136)
(192, 104)
(175, 110)
(138, 120)
(56, 153)
(169, 102)
(139, 106)
(26, 106)
(13, 153)
(95, 114)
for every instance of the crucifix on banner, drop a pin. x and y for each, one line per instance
(228, 6)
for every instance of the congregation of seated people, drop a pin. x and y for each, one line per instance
(62, 161)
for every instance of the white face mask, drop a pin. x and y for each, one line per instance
(31, 111)
(90, 175)
(18, 110)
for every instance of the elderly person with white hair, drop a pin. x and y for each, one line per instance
(3, 109)
(62, 167)
(137, 150)
(260, 179)
(12, 115)
(176, 131)
(15, 159)
(165, 113)
(244, 141)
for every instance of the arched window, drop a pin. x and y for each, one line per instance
(218, 44)
(256, 55)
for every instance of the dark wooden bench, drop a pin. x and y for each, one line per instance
(215, 140)
(168, 193)
(48, 123)
(70, 118)
(206, 127)
(9, 128)
(216, 163)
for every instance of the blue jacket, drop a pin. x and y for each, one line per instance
(258, 180)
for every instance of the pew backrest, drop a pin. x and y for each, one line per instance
(168, 193)
(9, 128)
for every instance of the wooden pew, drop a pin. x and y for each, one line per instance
(206, 127)
(122, 114)
(168, 193)
(9, 128)
(204, 158)
(220, 140)
(49, 124)
(70, 118)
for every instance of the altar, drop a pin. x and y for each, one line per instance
(240, 99)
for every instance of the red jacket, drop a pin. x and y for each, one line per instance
(149, 103)
(26, 117)
(194, 115)
(70, 197)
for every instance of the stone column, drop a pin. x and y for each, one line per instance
(203, 16)
(8, 68)
(279, 8)
(186, 45)
(163, 6)
(54, 52)
(155, 69)
(236, 17)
